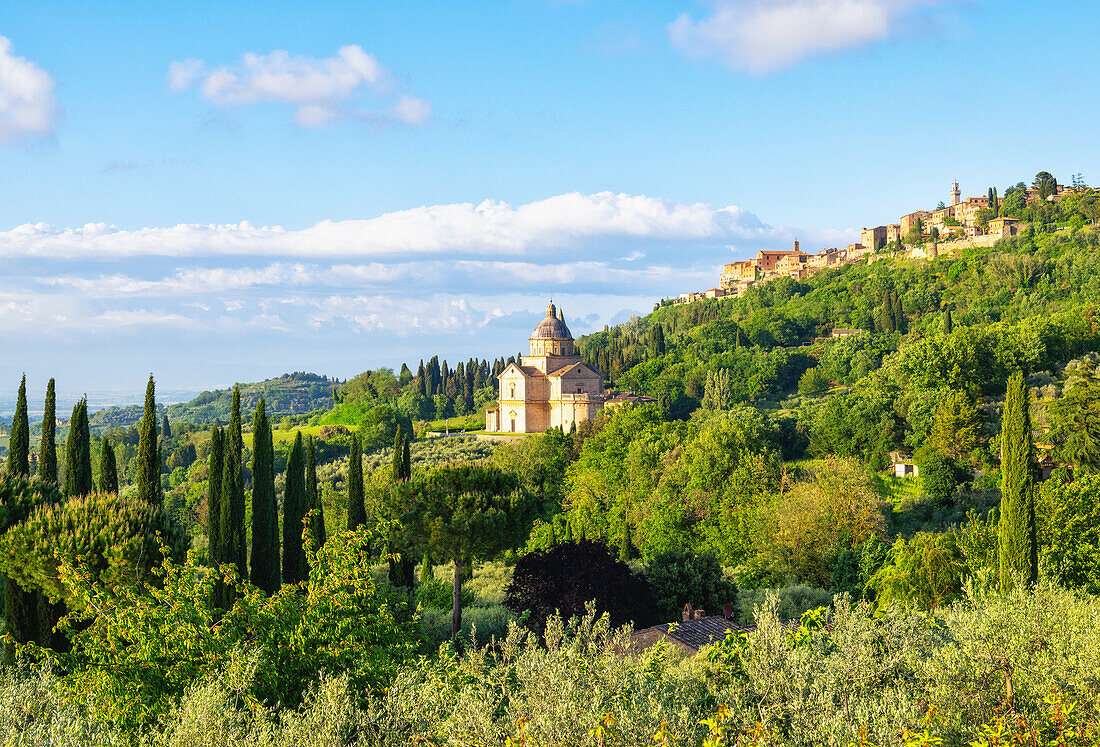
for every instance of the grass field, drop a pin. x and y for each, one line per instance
(464, 423)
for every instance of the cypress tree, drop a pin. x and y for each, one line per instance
(397, 461)
(148, 469)
(357, 510)
(1017, 549)
(78, 453)
(888, 323)
(421, 380)
(265, 512)
(899, 315)
(108, 467)
(19, 444)
(948, 323)
(165, 428)
(215, 551)
(47, 451)
(406, 460)
(426, 572)
(294, 510)
(232, 502)
(313, 496)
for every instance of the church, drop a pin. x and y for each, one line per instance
(550, 388)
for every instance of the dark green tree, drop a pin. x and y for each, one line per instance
(1017, 551)
(108, 467)
(47, 451)
(165, 428)
(294, 510)
(463, 512)
(78, 453)
(1045, 183)
(148, 464)
(948, 322)
(265, 510)
(406, 456)
(215, 549)
(313, 496)
(232, 531)
(19, 443)
(357, 510)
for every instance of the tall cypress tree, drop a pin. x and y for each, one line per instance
(47, 451)
(357, 510)
(19, 444)
(317, 517)
(108, 467)
(406, 458)
(1017, 549)
(148, 468)
(397, 467)
(216, 550)
(948, 322)
(294, 510)
(232, 503)
(78, 453)
(165, 428)
(265, 511)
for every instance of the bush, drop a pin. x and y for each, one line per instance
(439, 594)
(940, 477)
(792, 601)
(484, 622)
(489, 583)
(678, 577)
(565, 578)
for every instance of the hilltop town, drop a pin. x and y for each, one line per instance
(922, 233)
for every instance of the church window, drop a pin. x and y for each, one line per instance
(511, 391)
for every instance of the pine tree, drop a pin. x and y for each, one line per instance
(357, 510)
(1017, 549)
(232, 501)
(294, 510)
(148, 468)
(108, 467)
(265, 511)
(216, 550)
(19, 444)
(47, 451)
(313, 496)
(78, 453)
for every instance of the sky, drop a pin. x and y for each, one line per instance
(218, 192)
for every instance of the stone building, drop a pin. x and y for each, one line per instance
(549, 388)
(873, 238)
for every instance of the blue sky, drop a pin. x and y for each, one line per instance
(226, 191)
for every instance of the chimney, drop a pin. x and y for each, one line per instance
(700, 614)
(687, 612)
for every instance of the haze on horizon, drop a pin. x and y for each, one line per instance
(214, 199)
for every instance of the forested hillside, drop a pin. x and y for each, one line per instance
(773, 481)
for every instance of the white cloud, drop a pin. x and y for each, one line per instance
(565, 223)
(27, 103)
(322, 91)
(766, 35)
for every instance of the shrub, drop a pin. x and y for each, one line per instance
(484, 622)
(791, 601)
(678, 577)
(438, 594)
(565, 578)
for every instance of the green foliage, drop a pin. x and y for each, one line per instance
(462, 513)
(78, 454)
(679, 577)
(1068, 517)
(434, 593)
(956, 428)
(1075, 421)
(814, 383)
(19, 439)
(231, 530)
(108, 468)
(926, 571)
(357, 512)
(148, 475)
(1016, 543)
(295, 505)
(313, 497)
(116, 539)
(265, 566)
(940, 477)
(47, 451)
(136, 651)
(215, 470)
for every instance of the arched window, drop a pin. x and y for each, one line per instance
(511, 391)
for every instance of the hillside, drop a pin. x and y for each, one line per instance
(289, 394)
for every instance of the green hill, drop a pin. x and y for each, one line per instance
(289, 394)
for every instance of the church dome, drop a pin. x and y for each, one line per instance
(553, 327)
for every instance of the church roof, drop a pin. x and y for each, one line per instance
(570, 368)
(553, 327)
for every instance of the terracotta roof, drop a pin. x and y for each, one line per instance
(571, 367)
(701, 631)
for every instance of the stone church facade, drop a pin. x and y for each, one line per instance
(550, 388)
